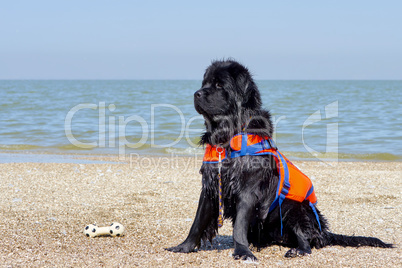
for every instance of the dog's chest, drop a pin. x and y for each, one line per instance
(230, 176)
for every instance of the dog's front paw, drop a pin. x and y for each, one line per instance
(243, 253)
(182, 248)
(296, 252)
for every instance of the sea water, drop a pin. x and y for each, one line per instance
(354, 120)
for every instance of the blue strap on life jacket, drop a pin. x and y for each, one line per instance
(313, 205)
(280, 197)
(244, 149)
(316, 214)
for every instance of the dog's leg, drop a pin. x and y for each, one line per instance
(244, 212)
(202, 220)
(303, 247)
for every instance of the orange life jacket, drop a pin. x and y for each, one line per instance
(293, 184)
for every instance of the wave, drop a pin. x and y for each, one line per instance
(191, 151)
(19, 147)
(147, 149)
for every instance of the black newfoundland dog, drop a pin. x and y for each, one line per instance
(246, 179)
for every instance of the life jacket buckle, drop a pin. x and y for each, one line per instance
(219, 149)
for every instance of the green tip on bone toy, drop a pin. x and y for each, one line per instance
(115, 229)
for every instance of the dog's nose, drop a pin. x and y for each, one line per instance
(198, 94)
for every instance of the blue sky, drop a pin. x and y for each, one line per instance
(91, 39)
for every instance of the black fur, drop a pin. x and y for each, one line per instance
(230, 101)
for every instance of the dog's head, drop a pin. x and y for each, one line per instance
(227, 88)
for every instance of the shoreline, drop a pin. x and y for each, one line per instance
(45, 207)
(99, 158)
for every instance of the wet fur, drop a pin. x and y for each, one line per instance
(229, 100)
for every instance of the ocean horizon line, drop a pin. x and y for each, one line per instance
(187, 79)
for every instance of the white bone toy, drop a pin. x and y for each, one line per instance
(115, 229)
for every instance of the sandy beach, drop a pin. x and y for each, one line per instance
(45, 207)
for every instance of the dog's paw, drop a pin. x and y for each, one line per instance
(244, 254)
(296, 252)
(182, 248)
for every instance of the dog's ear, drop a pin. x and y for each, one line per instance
(252, 98)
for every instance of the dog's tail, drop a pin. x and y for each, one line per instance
(355, 241)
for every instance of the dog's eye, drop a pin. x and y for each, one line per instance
(218, 85)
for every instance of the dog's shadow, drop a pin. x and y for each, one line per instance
(220, 242)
